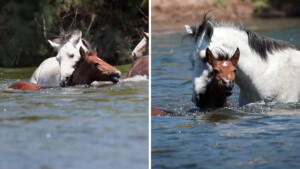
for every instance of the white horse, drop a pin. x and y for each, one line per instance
(142, 49)
(55, 71)
(268, 68)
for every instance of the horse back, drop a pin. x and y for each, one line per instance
(21, 85)
(139, 67)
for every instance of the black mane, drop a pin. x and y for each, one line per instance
(262, 44)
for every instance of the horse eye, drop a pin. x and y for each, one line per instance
(96, 64)
(234, 71)
(215, 71)
(71, 56)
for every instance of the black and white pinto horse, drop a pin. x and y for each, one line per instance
(268, 69)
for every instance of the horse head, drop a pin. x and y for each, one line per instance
(203, 37)
(223, 73)
(142, 49)
(91, 68)
(68, 54)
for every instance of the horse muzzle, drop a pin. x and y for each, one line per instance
(65, 82)
(227, 89)
(115, 76)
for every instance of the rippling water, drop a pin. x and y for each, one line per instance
(97, 126)
(259, 135)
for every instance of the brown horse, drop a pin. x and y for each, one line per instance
(139, 67)
(140, 58)
(87, 70)
(222, 82)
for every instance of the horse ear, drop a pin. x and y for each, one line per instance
(76, 40)
(95, 53)
(235, 58)
(146, 35)
(209, 29)
(189, 29)
(210, 57)
(82, 52)
(55, 46)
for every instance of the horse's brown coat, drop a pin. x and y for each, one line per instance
(139, 67)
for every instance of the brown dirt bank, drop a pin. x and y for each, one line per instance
(174, 11)
(191, 11)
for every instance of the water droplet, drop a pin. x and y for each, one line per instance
(48, 135)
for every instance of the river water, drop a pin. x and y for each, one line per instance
(259, 135)
(97, 126)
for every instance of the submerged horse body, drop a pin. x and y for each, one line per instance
(55, 71)
(87, 69)
(267, 69)
(140, 58)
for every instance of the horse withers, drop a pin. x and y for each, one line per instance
(140, 58)
(87, 69)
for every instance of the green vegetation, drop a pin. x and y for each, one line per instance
(220, 2)
(266, 3)
(113, 26)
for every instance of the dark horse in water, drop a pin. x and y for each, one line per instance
(222, 82)
(140, 58)
(87, 69)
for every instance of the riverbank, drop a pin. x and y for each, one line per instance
(191, 11)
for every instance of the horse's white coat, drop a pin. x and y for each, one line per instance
(139, 46)
(277, 78)
(55, 69)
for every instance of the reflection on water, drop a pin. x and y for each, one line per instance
(259, 135)
(98, 126)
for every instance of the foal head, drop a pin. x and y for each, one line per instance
(223, 71)
(91, 68)
(222, 80)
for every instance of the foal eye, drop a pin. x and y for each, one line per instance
(234, 71)
(215, 71)
(96, 64)
(71, 56)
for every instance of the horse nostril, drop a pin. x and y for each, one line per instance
(117, 73)
(224, 82)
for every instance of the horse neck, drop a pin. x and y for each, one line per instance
(81, 74)
(215, 96)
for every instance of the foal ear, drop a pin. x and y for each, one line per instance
(210, 56)
(55, 46)
(235, 58)
(82, 52)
